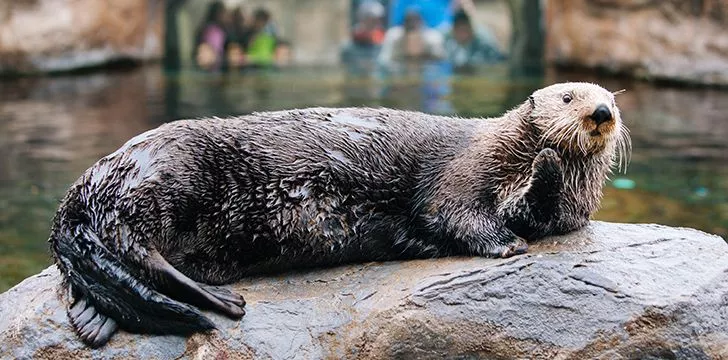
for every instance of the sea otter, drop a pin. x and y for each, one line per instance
(145, 235)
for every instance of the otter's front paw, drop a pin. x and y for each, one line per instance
(547, 174)
(516, 247)
(547, 161)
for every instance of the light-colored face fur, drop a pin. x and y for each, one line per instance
(565, 115)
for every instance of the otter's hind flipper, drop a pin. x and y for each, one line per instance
(182, 288)
(103, 286)
(93, 327)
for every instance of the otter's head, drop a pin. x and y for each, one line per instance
(581, 118)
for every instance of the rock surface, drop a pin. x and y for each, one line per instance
(609, 291)
(53, 35)
(676, 40)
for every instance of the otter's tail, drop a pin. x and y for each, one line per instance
(107, 293)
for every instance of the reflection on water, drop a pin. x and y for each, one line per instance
(52, 129)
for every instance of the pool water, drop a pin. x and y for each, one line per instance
(53, 128)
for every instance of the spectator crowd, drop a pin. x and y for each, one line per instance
(386, 31)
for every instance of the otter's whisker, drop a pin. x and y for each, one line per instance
(579, 138)
(570, 129)
(548, 134)
(564, 132)
(625, 144)
(618, 153)
(570, 133)
(562, 137)
(556, 133)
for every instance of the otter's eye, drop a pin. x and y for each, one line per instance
(567, 98)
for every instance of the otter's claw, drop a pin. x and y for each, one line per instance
(516, 247)
(234, 302)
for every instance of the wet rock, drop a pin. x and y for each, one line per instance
(608, 291)
(50, 35)
(675, 40)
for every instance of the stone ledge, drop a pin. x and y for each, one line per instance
(609, 291)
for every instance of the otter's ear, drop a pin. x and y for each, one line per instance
(532, 101)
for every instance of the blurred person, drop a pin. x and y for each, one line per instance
(239, 24)
(466, 47)
(466, 6)
(369, 30)
(436, 14)
(367, 35)
(283, 53)
(261, 41)
(411, 42)
(237, 31)
(211, 38)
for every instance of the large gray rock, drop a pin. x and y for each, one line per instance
(609, 291)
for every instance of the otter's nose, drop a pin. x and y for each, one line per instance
(601, 114)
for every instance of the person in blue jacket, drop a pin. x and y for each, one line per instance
(436, 14)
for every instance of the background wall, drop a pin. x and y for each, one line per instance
(57, 35)
(676, 40)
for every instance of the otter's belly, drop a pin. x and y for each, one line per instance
(320, 231)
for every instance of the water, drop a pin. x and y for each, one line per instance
(52, 129)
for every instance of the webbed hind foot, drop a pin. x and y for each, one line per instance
(93, 327)
(177, 285)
